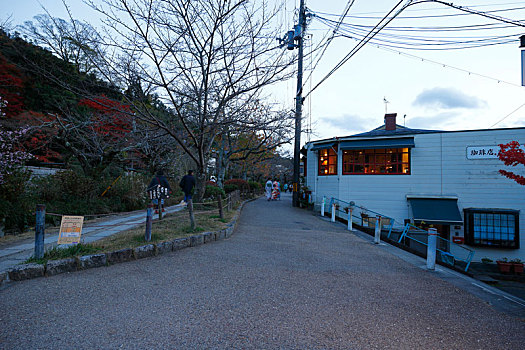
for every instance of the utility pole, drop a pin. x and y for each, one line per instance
(298, 36)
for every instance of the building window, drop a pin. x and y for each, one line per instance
(327, 162)
(492, 228)
(388, 161)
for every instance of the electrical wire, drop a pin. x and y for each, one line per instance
(349, 4)
(429, 16)
(364, 41)
(417, 42)
(423, 41)
(445, 65)
(508, 115)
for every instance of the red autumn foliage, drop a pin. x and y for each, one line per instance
(39, 138)
(512, 155)
(111, 118)
(11, 85)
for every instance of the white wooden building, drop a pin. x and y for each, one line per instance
(449, 179)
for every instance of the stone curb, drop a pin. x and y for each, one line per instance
(144, 251)
(119, 256)
(55, 267)
(90, 261)
(26, 271)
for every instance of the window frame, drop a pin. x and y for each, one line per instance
(332, 154)
(471, 240)
(380, 152)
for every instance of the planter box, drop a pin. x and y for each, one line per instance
(517, 268)
(504, 267)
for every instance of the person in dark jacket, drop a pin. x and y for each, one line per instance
(187, 183)
(159, 179)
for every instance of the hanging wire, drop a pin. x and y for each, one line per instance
(505, 117)
(380, 25)
(421, 42)
(364, 35)
(349, 4)
(445, 65)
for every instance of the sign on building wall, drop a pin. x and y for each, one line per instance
(482, 152)
(70, 229)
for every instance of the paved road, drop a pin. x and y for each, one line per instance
(285, 280)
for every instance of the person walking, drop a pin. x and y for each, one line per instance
(187, 184)
(268, 187)
(276, 195)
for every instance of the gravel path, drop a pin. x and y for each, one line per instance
(285, 280)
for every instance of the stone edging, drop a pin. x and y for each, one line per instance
(55, 267)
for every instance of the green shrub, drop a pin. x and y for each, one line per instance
(17, 202)
(230, 188)
(240, 183)
(214, 192)
(128, 193)
(69, 192)
(254, 185)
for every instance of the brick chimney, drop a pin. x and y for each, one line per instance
(390, 121)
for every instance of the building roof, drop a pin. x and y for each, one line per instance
(399, 131)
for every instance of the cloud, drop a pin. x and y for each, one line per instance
(440, 121)
(447, 98)
(347, 123)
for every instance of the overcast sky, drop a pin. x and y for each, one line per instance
(424, 86)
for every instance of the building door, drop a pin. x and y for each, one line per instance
(443, 231)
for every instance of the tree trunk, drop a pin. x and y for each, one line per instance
(200, 185)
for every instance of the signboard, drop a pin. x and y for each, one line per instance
(70, 229)
(483, 152)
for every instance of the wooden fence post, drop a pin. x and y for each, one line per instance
(221, 214)
(192, 216)
(149, 221)
(40, 230)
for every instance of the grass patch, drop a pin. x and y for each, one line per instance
(172, 226)
(57, 253)
(188, 229)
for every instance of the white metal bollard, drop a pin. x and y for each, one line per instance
(322, 205)
(333, 212)
(350, 210)
(377, 233)
(431, 249)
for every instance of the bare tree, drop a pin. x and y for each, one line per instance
(73, 41)
(97, 132)
(254, 138)
(202, 58)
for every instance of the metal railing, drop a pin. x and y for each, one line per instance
(411, 232)
(366, 218)
(361, 216)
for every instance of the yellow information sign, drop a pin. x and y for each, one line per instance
(70, 229)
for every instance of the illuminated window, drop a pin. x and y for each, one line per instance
(389, 161)
(327, 162)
